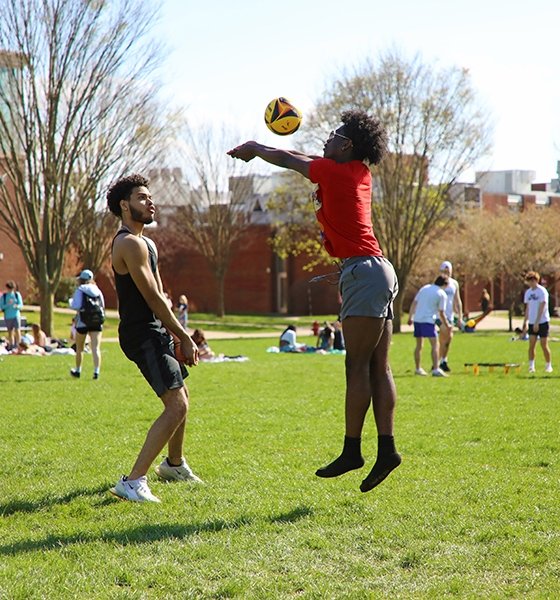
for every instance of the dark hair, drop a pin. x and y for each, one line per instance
(369, 138)
(121, 190)
(198, 336)
(11, 285)
(441, 280)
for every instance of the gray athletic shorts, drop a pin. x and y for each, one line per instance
(14, 323)
(157, 362)
(368, 285)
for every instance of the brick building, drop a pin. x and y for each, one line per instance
(515, 190)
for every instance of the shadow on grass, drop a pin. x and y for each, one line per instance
(301, 512)
(145, 534)
(24, 506)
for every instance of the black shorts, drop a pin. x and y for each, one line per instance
(543, 329)
(156, 360)
(85, 330)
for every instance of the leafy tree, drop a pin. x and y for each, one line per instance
(485, 246)
(74, 100)
(436, 129)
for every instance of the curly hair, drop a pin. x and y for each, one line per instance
(121, 190)
(369, 138)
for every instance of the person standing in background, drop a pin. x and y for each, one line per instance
(428, 305)
(87, 287)
(183, 311)
(537, 320)
(453, 309)
(11, 303)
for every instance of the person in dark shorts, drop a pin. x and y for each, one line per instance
(368, 283)
(537, 320)
(146, 322)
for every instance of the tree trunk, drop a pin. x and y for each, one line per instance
(221, 299)
(46, 305)
(510, 315)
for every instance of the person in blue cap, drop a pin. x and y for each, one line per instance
(88, 294)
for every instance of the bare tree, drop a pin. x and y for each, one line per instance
(437, 130)
(74, 100)
(217, 203)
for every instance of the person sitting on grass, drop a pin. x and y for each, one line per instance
(288, 341)
(325, 339)
(204, 350)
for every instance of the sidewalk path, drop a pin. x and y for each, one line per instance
(495, 321)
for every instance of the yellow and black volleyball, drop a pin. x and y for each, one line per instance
(282, 117)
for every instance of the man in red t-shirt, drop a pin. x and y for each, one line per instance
(368, 284)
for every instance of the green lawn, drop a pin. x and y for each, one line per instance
(62, 321)
(473, 512)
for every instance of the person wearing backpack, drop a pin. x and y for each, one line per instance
(11, 303)
(89, 304)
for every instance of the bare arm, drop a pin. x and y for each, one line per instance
(412, 311)
(458, 305)
(525, 320)
(288, 159)
(130, 253)
(443, 319)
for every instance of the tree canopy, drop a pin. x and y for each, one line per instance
(76, 109)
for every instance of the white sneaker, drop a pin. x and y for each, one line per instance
(420, 371)
(531, 369)
(181, 473)
(548, 369)
(136, 490)
(438, 373)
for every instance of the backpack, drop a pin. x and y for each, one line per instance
(92, 313)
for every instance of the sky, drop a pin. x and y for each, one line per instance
(225, 60)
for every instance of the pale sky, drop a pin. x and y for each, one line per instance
(229, 58)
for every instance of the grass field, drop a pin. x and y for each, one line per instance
(473, 512)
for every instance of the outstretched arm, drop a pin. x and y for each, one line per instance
(288, 159)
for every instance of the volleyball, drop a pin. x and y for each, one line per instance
(282, 117)
(177, 349)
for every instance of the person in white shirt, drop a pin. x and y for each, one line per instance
(429, 304)
(454, 308)
(537, 319)
(288, 341)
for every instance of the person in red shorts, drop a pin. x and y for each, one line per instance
(368, 284)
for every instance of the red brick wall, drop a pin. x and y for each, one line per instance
(12, 264)
(251, 280)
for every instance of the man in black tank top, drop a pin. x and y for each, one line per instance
(146, 322)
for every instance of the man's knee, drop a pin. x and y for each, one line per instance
(176, 403)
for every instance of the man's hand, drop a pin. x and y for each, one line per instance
(245, 152)
(190, 351)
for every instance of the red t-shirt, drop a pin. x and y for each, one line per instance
(343, 207)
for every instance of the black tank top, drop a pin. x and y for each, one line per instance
(137, 320)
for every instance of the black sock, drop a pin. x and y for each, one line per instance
(350, 459)
(385, 445)
(387, 459)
